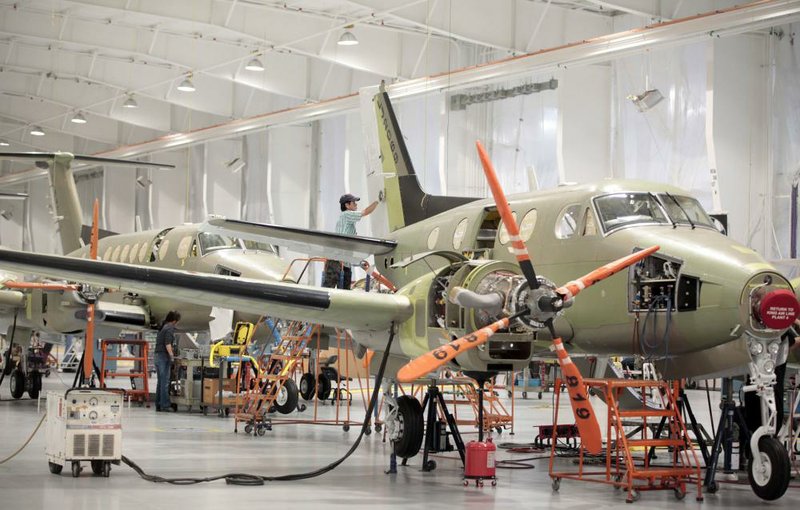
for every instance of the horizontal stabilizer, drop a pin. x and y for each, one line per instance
(351, 249)
(84, 160)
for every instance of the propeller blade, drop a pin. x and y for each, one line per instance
(573, 288)
(585, 418)
(430, 361)
(518, 247)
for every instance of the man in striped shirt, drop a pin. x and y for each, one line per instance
(338, 273)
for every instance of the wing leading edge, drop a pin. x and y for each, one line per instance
(332, 307)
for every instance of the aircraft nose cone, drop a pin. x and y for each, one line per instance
(775, 308)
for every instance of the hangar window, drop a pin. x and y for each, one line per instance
(123, 257)
(567, 222)
(157, 245)
(626, 209)
(460, 232)
(115, 254)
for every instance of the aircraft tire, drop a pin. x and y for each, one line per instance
(307, 386)
(34, 384)
(17, 383)
(773, 482)
(411, 426)
(8, 365)
(289, 403)
(324, 388)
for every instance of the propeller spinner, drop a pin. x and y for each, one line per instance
(541, 306)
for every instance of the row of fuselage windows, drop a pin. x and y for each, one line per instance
(139, 253)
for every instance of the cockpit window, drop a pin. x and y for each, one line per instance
(210, 242)
(625, 209)
(256, 245)
(685, 210)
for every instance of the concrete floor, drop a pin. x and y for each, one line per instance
(195, 445)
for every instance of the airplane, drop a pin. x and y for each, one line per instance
(26, 307)
(709, 303)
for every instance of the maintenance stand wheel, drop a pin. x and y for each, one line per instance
(55, 468)
(770, 482)
(410, 427)
(712, 487)
(633, 496)
(248, 429)
(680, 493)
(76, 469)
(286, 401)
(378, 427)
(17, 383)
(346, 427)
(430, 466)
(556, 484)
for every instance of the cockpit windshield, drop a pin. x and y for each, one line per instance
(212, 242)
(685, 210)
(625, 209)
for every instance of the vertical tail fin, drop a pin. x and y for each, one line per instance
(65, 200)
(406, 202)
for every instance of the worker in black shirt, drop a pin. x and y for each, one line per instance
(163, 357)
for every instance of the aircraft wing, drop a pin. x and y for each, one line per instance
(351, 249)
(332, 307)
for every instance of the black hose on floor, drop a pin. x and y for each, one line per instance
(251, 479)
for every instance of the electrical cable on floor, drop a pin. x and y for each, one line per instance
(26, 442)
(251, 479)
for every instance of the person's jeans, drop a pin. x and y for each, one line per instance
(163, 365)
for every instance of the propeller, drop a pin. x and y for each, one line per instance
(549, 303)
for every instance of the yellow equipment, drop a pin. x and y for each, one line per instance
(236, 351)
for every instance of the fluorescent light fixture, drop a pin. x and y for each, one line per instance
(647, 99)
(6, 214)
(254, 65)
(143, 181)
(4, 143)
(235, 165)
(347, 38)
(78, 118)
(130, 103)
(186, 85)
(37, 131)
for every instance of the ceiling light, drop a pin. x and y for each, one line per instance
(347, 38)
(143, 181)
(4, 143)
(186, 85)
(37, 131)
(647, 99)
(6, 214)
(254, 65)
(130, 103)
(78, 118)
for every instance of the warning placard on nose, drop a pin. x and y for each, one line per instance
(778, 309)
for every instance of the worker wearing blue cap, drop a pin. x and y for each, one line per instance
(338, 273)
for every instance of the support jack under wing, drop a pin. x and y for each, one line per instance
(332, 307)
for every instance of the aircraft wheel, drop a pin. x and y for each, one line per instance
(34, 384)
(307, 386)
(324, 390)
(410, 427)
(286, 401)
(770, 482)
(17, 383)
(55, 468)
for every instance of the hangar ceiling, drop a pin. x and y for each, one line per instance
(63, 61)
